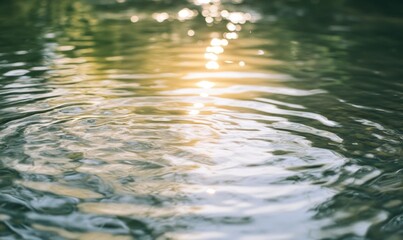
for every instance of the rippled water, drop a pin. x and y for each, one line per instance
(201, 120)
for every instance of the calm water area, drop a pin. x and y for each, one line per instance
(201, 119)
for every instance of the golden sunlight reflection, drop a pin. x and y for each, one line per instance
(186, 14)
(198, 105)
(160, 17)
(205, 84)
(194, 112)
(231, 35)
(231, 27)
(205, 88)
(214, 13)
(191, 33)
(211, 56)
(196, 108)
(215, 49)
(201, 2)
(212, 65)
(134, 19)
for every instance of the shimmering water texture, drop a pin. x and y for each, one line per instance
(201, 119)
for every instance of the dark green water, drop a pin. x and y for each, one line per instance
(201, 119)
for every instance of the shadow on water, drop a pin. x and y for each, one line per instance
(201, 119)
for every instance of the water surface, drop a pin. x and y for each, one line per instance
(201, 119)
